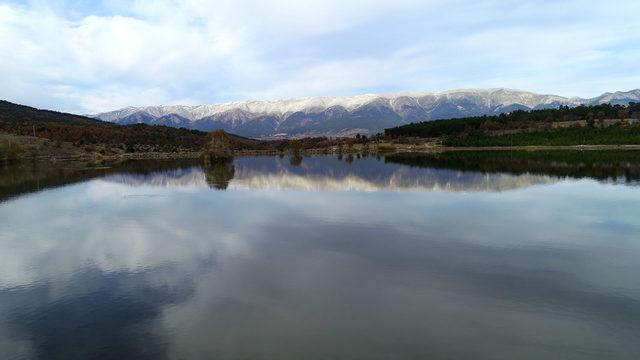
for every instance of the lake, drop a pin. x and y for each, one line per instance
(450, 256)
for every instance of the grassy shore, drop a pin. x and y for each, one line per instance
(39, 149)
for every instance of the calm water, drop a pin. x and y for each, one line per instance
(456, 257)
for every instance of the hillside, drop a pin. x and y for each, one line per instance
(44, 132)
(30, 132)
(346, 116)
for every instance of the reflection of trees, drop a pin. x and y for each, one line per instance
(295, 160)
(349, 159)
(27, 177)
(219, 174)
(600, 165)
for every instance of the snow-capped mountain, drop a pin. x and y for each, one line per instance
(366, 114)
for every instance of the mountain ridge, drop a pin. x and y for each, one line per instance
(347, 115)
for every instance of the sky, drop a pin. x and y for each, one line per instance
(88, 56)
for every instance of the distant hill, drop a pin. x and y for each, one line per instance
(346, 116)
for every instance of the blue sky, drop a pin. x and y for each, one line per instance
(91, 56)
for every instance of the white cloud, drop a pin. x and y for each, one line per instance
(145, 52)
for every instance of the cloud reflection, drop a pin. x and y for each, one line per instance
(544, 271)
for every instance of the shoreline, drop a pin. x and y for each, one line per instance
(436, 149)
(389, 149)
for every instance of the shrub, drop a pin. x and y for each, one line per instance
(10, 152)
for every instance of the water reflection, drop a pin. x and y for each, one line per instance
(613, 166)
(84, 315)
(218, 175)
(330, 174)
(37, 176)
(455, 171)
(99, 269)
(367, 174)
(487, 171)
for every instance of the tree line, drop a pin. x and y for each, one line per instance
(516, 120)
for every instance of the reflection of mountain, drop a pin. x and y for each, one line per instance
(331, 174)
(188, 176)
(368, 174)
(454, 171)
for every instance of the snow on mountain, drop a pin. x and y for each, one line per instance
(333, 115)
(618, 97)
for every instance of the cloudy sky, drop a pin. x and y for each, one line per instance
(88, 56)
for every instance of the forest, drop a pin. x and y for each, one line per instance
(612, 135)
(536, 127)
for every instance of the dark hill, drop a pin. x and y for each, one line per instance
(94, 136)
(14, 113)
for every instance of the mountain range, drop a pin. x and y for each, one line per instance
(341, 116)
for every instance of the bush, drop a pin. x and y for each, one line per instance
(217, 147)
(10, 152)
